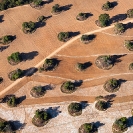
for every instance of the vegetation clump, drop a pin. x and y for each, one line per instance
(36, 4)
(28, 27)
(49, 65)
(63, 36)
(80, 66)
(129, 44)
(40, 118)
(81, 16)
(130, 13)
(131, 66)
(5, 126)
(75, 109)
(5, 4)
(111, 85)
(37, 91)
(101, 105)
(41, 18)
(12, 101)
(104, 62)
(68, 87)
(6, 39)
(56, 9)
(119, 28)
(14, 58)
(103, 20)
(107, 6)
(88, 128)
(14, 75)
(120, 125)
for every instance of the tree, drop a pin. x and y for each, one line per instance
(63, 36)
(81, 16)
(130, 13)
(107, 6)
(12, 102)
(56, 8)
(119, 28)
(37, 2)
(104, 19)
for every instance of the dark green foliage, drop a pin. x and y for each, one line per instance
(12, 101)
(129, 45)
(5, 4)
(75, 107)
(5, 127)
(81, 66)
(49, 61)
(131, 66)
(41, 18)
(28, 27)
(101, 105)
(82, 14)
(6, 39)
(120, 124)
(37, 89)
(69, 85)
(63, 36)
(104, 19)
(15, 74)
(88, 127)
(130, 13)
(15, 57)
(119, 28)
(107, 5)
(113, 83)
(42, 115)
(37, 2)
(85, 38)
(56, 8)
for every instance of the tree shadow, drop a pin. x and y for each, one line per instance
(98, 124)
(48, 87)
(128, 26)
(87, 64)
(78, 83)
(121, 81)
(21, 99)
(84, 104)
(114, 3)
(109, 97)
(118, 17)
(116, 58)
(1, 18)
(53, 111)
(2, 48)
(39, 24)
(73, 34)
(92, 37)
(29, 56)
(66, 7)
(88, 15)
(48, 17)
(29, 72)
(48, 1)
(16, 125)
(130, 121)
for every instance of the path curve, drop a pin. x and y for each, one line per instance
(59, 49)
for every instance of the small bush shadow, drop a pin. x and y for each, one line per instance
(17, 125)
(29, 56)
(78, 83)
(84, 104)
(130, 121)
(30, 71)
(118, 17)
(114, 3)
(48, 17)
(39, 24)
(121, 81)
(48, 87)
(73, 34)
(87, 64)
(128, 26)
(116, 58)
(53, 111)
(48, 1)
(66, 7)
(98, 124)
(1, 18)
(21, 99)
(88, 15)
(92, 37)
(2, 48)
(109, 97)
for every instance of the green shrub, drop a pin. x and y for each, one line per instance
(56, 8)
(119, 28)
(63, 36)
(69, 85)
(15, 57)
(130, 13)
(12, 101)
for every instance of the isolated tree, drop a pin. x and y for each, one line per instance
(119, 28)
(6, 39)
(37, 2)
(130, 13)
(129, 44)
(63, 36)
(107, 6)
(101, 105)
(104, 19)
(120, 125)
(81, 16)
(56, 8)
(12, 101)
(14, 58)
